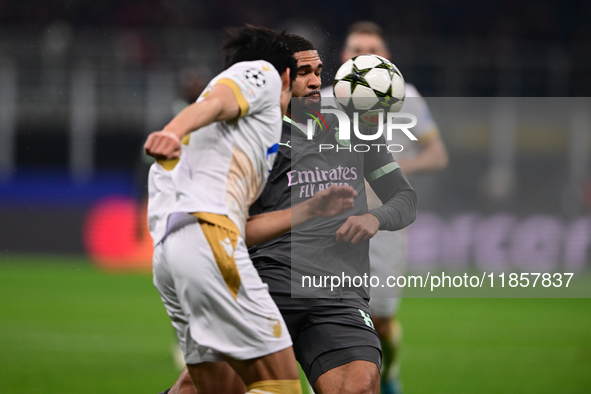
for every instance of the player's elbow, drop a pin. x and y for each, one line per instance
(441, 157)
(408, 214)
(250, 241)
(414, 202)
(442, 160)
(436, 154)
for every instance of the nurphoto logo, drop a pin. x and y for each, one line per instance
(374, 133)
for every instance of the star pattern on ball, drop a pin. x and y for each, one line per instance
(370, 85)
(356, 77)
(255, 77)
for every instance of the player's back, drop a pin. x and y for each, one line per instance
(161, 197)
(224, 166)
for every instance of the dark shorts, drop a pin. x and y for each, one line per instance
(326, 333)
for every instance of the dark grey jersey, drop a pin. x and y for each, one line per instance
(300, 171)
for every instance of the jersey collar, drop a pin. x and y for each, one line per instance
(297, 125)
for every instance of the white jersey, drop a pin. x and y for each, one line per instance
(224, 166)
(425, 129)
(161, 199)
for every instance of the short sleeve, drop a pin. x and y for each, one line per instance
(378, 162)
(426, 128)
(256, 85)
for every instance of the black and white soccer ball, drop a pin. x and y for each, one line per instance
(255, 77)
(369, 84)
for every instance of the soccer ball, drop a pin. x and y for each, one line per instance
(369, 84)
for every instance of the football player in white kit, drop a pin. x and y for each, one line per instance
(217, 303)
(388, 254)
(259, 228)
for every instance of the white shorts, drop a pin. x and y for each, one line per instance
(387, 257)
(218, 305)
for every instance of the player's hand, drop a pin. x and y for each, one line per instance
(163, 145)
(358, 228)
(332, 201)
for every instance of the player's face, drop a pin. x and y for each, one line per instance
(308, 81)
(361, 44)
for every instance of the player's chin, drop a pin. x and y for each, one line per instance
(313, 101)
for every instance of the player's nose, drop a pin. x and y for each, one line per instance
(315, 81)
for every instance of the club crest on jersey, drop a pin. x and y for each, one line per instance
(255, 77)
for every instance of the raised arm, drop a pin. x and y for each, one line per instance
(219, 105)
(432, 157)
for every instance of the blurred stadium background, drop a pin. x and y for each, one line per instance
(82, 83)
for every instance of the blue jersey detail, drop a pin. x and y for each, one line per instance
(272, 149)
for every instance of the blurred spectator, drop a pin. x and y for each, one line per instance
(543, 20)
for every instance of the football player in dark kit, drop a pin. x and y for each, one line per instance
(333, 338)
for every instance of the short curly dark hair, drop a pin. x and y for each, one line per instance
(298, 43)
(250, 43)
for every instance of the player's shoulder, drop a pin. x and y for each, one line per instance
(256, 73)
(286, 124)
(257, 81)
(261, 65)
(411, 91)
(249, 80)
(286, 129)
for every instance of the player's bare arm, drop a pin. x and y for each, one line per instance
(329, 202)
(432, 157)
(219, 105)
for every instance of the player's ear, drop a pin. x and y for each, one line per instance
(285, 79)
